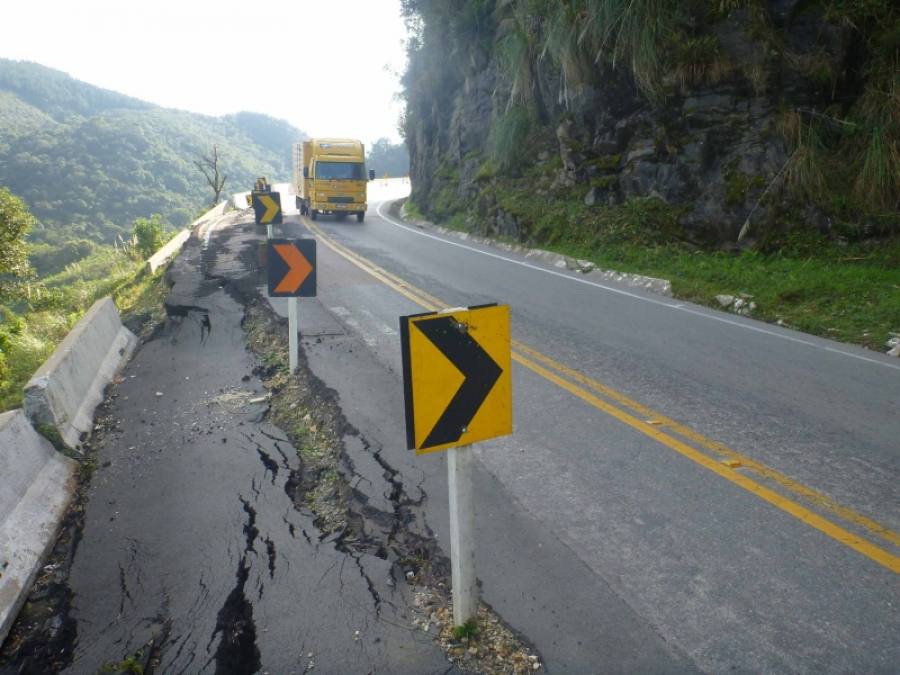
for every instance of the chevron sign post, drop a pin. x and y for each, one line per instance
(457, 388)
(266, 209)
(291, 274)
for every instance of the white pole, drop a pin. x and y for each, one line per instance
(462, 531)
(293, 327)
(269, 233)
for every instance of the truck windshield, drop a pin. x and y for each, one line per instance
(340, 171)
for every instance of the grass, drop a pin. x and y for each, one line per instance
(509, 134)
(130, 664)
(29, 336)
(468, 630)
(846, 291)
(848, 294)
(413, 210)
(307, 421)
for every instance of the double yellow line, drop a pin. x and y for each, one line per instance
(718, 458)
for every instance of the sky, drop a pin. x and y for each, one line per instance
(329, 67)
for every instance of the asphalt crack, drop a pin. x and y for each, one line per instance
(237, 651)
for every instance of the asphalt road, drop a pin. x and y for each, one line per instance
(196, 545)
(725, 490)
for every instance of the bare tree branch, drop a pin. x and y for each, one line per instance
(209, 167)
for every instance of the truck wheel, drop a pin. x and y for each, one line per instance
(314, 214)
(360, 216)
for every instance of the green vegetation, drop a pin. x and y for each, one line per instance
(580, 81)
(469, 630)
(844, 145)
(15, 222)
(55, 304)
(131, 665)
(847, 293)
(49, 258)
(39, 314)
(844, 290)
(509, 136)
(148, 235)
(413, 210)
(87, 160)
(309, 423)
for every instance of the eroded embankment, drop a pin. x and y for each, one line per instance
(227, 529)
(339, 493)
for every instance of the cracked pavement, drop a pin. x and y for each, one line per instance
(193, 539)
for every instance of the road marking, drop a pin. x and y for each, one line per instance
(347, 316)
(670, 305)
(726, 453)
(803, 514)
(379, 324)
(530, 358)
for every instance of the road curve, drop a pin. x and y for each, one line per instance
(733, 484)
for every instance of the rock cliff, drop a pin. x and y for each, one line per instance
(728, 121)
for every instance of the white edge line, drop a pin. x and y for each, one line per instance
(680, 306)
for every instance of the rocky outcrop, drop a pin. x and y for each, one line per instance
(709, 144)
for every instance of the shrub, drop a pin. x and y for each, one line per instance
(148, 235)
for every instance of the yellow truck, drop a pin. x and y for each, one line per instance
(330, 177)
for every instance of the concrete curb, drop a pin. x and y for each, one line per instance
(173, 246)
(199, 226)
(65, 390)
(587, 268)
(37, 485)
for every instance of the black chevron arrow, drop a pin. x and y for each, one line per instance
(481, 372)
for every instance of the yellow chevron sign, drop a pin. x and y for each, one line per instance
(456, 377)
(267, 208)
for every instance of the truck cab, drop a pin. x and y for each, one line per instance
(330, 177)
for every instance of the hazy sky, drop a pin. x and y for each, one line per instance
(330, 67)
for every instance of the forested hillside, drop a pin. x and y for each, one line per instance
(89, 161)
(713, 121)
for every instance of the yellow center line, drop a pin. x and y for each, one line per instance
(545, 366)
(721, 449)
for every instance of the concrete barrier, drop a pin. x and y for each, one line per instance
(36, 486)
(64, 391)
(199, 226)
(173, 246)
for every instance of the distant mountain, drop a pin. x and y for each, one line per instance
(88, 161)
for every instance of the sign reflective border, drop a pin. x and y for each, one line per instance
(291, 268)
(457, 384)
(266, 207)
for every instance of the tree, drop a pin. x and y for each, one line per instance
(15, 222)
(388, 159)
(209, 167)
(148, 235)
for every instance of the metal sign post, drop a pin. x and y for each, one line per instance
(458, 391)
(462, 534)
(293, 329)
